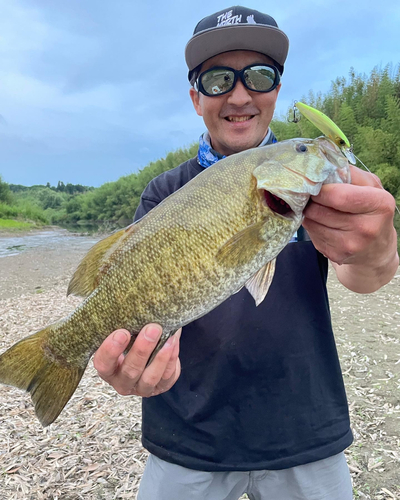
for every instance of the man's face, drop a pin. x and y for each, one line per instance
(238, 120)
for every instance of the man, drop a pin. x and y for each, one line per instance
(260, 405)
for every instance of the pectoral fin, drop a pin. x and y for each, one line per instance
(258, 285)
(90, 270)
(242, 247)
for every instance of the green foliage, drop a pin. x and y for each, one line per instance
(7, 211)
(114, 202)
(117, 201)
(347, 121)
(374, 146)
(41, 204)
(60, 188)
(32, 212)
(10, 224)
(284, 130)
(397, 223)
(367, 109)
(5, 193)
(392, 122)
(50, 199)
(24, 211)
(390, 177)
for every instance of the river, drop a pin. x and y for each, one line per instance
(56, 238)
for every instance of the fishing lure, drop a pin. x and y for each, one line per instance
(329, 129)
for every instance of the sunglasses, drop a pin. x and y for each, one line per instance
(221, 80)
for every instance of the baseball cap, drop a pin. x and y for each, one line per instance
(236, 28)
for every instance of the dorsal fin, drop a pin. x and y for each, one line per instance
(88, 274)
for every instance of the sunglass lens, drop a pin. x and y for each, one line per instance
(217, 81)
(260, 78)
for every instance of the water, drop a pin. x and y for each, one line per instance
(13, 245)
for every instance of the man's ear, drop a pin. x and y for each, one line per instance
(195, 96)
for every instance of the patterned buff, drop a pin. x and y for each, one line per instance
(207, 156)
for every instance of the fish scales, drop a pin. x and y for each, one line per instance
(148, 285)
(219, 232)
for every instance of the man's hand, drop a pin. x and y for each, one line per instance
(352, 225)
(129, 374)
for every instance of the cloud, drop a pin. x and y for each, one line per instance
(93, 90)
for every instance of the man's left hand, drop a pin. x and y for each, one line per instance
(352, 225)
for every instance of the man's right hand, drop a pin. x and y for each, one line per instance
(129, 374)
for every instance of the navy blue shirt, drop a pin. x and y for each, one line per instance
(261, 387)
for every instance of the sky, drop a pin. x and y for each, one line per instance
(91, 90)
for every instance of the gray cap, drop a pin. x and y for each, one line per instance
(236, 28)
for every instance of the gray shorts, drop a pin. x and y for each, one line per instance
(327, 479)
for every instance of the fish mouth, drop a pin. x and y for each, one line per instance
(277, 205)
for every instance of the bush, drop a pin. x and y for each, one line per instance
(5, 193)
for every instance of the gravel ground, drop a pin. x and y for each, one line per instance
(93, 450)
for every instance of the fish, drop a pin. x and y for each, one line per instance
(218, 233)
(328, 128)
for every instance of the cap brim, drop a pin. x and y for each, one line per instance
(268, 40)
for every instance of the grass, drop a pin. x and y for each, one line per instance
(10, 224)
(23, 210)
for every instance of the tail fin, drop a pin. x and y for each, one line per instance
(51, 383)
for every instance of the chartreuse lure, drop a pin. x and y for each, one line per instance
(328, 128)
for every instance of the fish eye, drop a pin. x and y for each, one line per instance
(301, 148)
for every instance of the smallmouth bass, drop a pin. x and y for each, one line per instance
(218, 233)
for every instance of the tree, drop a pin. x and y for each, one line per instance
(391, 123)
(50, 199)
(5, 193)
(390, 178)
(347, 122)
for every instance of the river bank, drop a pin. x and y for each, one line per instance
(35, 261)
(93, 450)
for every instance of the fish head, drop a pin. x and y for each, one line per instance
(295, 170)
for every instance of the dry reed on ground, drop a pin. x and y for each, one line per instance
(93, 450)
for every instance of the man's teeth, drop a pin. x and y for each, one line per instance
(238, 118)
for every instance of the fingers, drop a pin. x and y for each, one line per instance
(332, 243)
(163, 371)
(334, 218)
(107, 358)
(171, 366)
(351, 223)
(362, 178)
(363, 195)
(129, 374)
(140, 352)
(352, 199)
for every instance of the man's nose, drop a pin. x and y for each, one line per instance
(239, 96)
